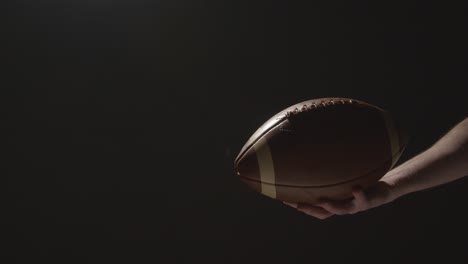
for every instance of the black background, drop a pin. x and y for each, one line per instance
(122, 120)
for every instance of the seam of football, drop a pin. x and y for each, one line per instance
(326, 103)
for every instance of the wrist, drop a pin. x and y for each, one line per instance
(396, 188)
(401, 180)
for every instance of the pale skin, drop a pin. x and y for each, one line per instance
(443, 162)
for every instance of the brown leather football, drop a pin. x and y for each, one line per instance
(321, 148)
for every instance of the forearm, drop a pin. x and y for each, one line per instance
(445, 161)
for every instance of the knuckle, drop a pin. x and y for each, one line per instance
(364, 202)
(323, 216)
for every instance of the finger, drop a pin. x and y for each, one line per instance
(314, 211)
(294, 205)
(338, 207)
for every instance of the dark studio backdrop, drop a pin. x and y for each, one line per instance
(121, 121)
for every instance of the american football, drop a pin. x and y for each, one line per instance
(321, 148)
